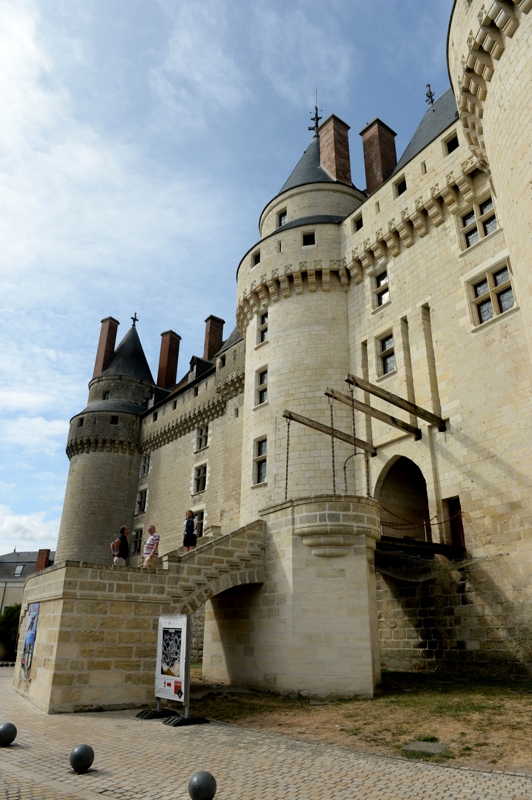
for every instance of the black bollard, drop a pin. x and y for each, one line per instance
(202, 786)
(81, 758)
(8, 734)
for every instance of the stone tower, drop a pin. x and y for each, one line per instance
(103, 449)
(488, 47)
(292, 309)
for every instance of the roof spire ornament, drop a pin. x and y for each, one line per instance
(135, 320)
(316, 118)
(430, 96)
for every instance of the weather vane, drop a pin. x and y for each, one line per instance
(316, 118)
(430, 96)
(135, 320)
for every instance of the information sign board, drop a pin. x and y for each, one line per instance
(171, 678)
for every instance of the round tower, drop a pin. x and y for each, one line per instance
(103, 450)
(491, 73)
(292, 310)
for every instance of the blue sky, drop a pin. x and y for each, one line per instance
(140, 140)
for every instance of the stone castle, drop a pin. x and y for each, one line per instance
(357, 450)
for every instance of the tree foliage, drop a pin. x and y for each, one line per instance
(9, 622)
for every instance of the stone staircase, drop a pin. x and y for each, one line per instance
(214, 566)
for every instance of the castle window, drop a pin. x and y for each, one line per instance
(105, 396)
(196, 391)
(202, 437)
(200, 522)
(492, 295)
(114, 420)
(142, 502)
(260, 460)
(279, 247)
(478, 222)
(452, 144)
(309, 239)
(221, 362)
(386, 354)
(200, 479)
(400, 187)
(18, 570)
(174, 405)
(136, 542)
(255, 258)
(80, 422)
(423, 167)
(155, 415)
(262, 387)
(281, 218)
(145, 464)
(377, 207)
(358, 223)
(382, 290)
(262, 330)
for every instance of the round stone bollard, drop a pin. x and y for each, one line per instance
(8, 734)
(81, 758)
(202, 786)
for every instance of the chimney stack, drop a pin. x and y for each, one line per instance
(43, 559)
(106, 345)
(169, 354)
(380, 158)
(334, 149)
(214, 336)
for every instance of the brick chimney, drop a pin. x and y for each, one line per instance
(106, 345)
(380, 158)
(43, 559)
(334, 149)
(168, 356)
(214, 336)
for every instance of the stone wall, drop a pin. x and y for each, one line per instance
(97, 628)
(467, 622)
(311, 626)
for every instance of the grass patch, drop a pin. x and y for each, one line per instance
(476, 718)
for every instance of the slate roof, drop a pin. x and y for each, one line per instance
(28, 559)
(129, 359)
(439, 117)
(120, 406)
(234, 337)
(308, 169)
(316, 219)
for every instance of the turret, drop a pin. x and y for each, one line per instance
(292, 310)
(103, 449)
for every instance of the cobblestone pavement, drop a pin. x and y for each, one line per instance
(138, 759)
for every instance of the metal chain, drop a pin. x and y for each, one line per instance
(351, 387)
(368, 491)
(287, 459)
(331, 402)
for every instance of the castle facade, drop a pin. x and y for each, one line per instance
(392, 510)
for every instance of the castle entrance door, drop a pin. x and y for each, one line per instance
(402, 492)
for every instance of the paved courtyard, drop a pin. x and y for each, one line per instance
(146, 759)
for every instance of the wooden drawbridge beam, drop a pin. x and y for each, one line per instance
(395, 400)
(374, 412)
(345, 437)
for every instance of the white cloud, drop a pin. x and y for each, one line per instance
(26, 531)
(199, 74)
(36, 433)
(297, 54)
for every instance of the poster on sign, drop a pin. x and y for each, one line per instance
(171, 674)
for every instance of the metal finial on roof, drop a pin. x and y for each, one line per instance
(135, 320)
(430, 96)
(316, 118)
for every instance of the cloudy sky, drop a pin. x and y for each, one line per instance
(139, 142)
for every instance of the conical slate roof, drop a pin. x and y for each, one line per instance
(129, 360)
(308, 169)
